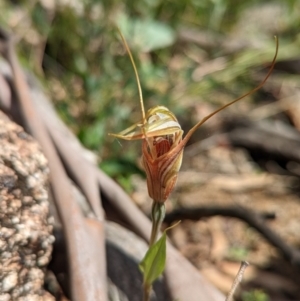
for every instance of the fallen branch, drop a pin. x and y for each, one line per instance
(277, 140)
(247, 215)
(84, 237)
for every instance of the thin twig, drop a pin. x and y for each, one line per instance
(237, 280)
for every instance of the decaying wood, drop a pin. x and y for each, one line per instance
(84, 238)
(275, 139)
(245, 214)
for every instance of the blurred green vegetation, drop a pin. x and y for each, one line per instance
(255, 295)
(187, 51)
(237, 253)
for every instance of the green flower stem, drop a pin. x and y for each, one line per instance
(158, 215)
(147, 291)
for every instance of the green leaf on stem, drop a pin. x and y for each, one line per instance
(154, 262)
